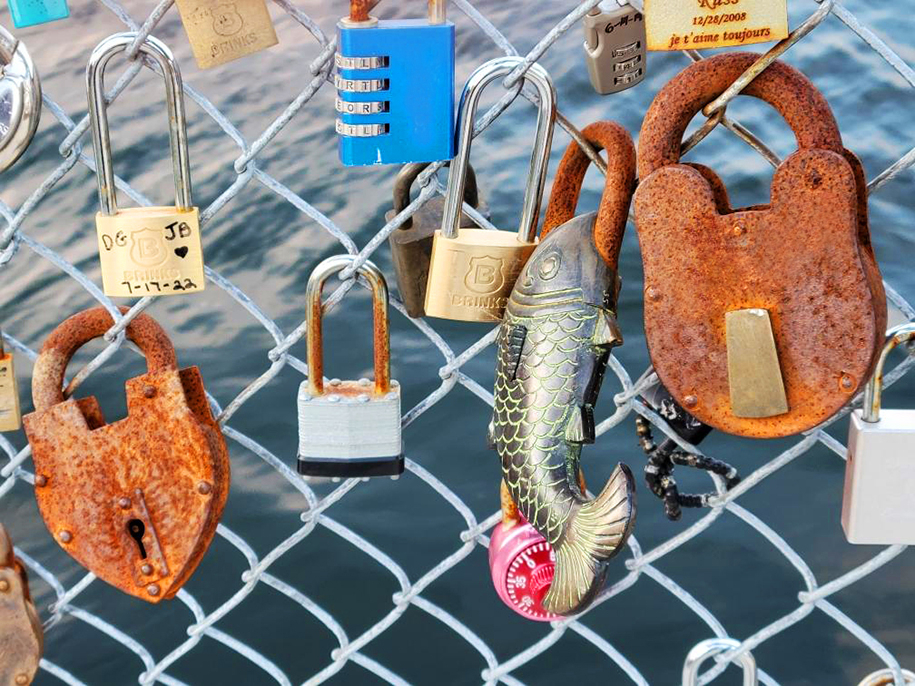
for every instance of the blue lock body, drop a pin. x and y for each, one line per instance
(395, 85)
(32, 12)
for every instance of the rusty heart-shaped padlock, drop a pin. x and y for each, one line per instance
(21, 636)
(136, 502)
(761, 321)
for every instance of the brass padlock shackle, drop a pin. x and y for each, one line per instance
(786, 89)
(403, 184)
(76, 331)
(613, 213)
(98, 117)
(315, 315)
(872, 392)
(540, 157)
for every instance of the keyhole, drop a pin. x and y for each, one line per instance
(136, 529)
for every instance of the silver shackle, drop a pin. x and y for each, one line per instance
(98, 116)
(540, 157)
(871, 410)
(705, 650)
(20, 99)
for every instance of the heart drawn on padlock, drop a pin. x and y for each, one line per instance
(136, 502)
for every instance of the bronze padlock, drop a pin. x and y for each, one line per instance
(761, 321)
(136, 502)
(411, 243)
(21, 635)
(221, 31)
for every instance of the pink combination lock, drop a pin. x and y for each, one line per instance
(521, 562)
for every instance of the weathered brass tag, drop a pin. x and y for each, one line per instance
(754, 375)
(220, 31)
(700, 24)
(10, 418)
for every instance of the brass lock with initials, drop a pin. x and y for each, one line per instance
(761, 321)
(136, 502)
(472, 271)
(21, 635)
(144, 250)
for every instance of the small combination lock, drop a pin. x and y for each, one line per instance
(395, 87)
(615, 48)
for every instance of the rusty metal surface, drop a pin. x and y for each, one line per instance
(21, 636)
(805, 258)
(165, 465)
(359, 9)
(614, 206)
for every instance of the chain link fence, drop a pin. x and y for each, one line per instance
(66, 616)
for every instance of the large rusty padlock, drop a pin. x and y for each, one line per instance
(21, 636)
(762, 321)
(411, 244)
(136, 502)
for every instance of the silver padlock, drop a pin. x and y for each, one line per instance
(349, 428)
(705, 650)
(20, 99)
(615, 48)
(880, 471)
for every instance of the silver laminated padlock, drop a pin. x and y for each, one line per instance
(705, 650)
(349, 428)
(615, 48)
(20, 99)
(880, 471)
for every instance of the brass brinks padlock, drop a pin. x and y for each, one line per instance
(136, 502)
(349, 428)
(10, 418)
(144, 250)
(880, 471)
(472, 271)
(21, 635)
(221, 31)
(761, 321)
(411, 244)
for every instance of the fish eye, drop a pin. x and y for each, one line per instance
(549, 266)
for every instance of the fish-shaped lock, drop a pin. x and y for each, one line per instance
(553, 346)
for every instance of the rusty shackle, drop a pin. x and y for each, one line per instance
(782, 86)
(359, 11)
(75, 332)
(315, 315)
(614, 205)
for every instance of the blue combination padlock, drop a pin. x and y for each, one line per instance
(395, 87)
(32, 12)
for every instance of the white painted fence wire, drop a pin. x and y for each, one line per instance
(318, 511)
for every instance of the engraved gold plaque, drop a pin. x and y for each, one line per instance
(221, 31)
(150, 251)
(754, 375)
(701, 24)
(10, 417)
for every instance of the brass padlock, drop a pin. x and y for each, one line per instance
(136, 502)
(472, 271)
(746, 328)
(221, 31)
(10, 417)
(411, 244)
(21, 635)
(144, 250)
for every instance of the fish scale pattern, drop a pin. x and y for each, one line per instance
(206, 623)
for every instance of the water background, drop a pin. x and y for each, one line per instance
(266, 247)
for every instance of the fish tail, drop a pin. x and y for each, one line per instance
(595, 534)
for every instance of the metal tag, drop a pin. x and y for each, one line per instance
(21, 637)
(754, 375)
(701, 24)
(615, 49)
(220, 31)
(10, 418)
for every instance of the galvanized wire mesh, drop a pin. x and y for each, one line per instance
(66, 615)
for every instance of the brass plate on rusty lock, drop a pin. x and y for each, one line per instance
(754, 376)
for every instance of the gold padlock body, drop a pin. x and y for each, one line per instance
(150, 251)
(221, 31)
(472, 276)
(10, 416)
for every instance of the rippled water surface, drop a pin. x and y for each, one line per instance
(266, 247)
